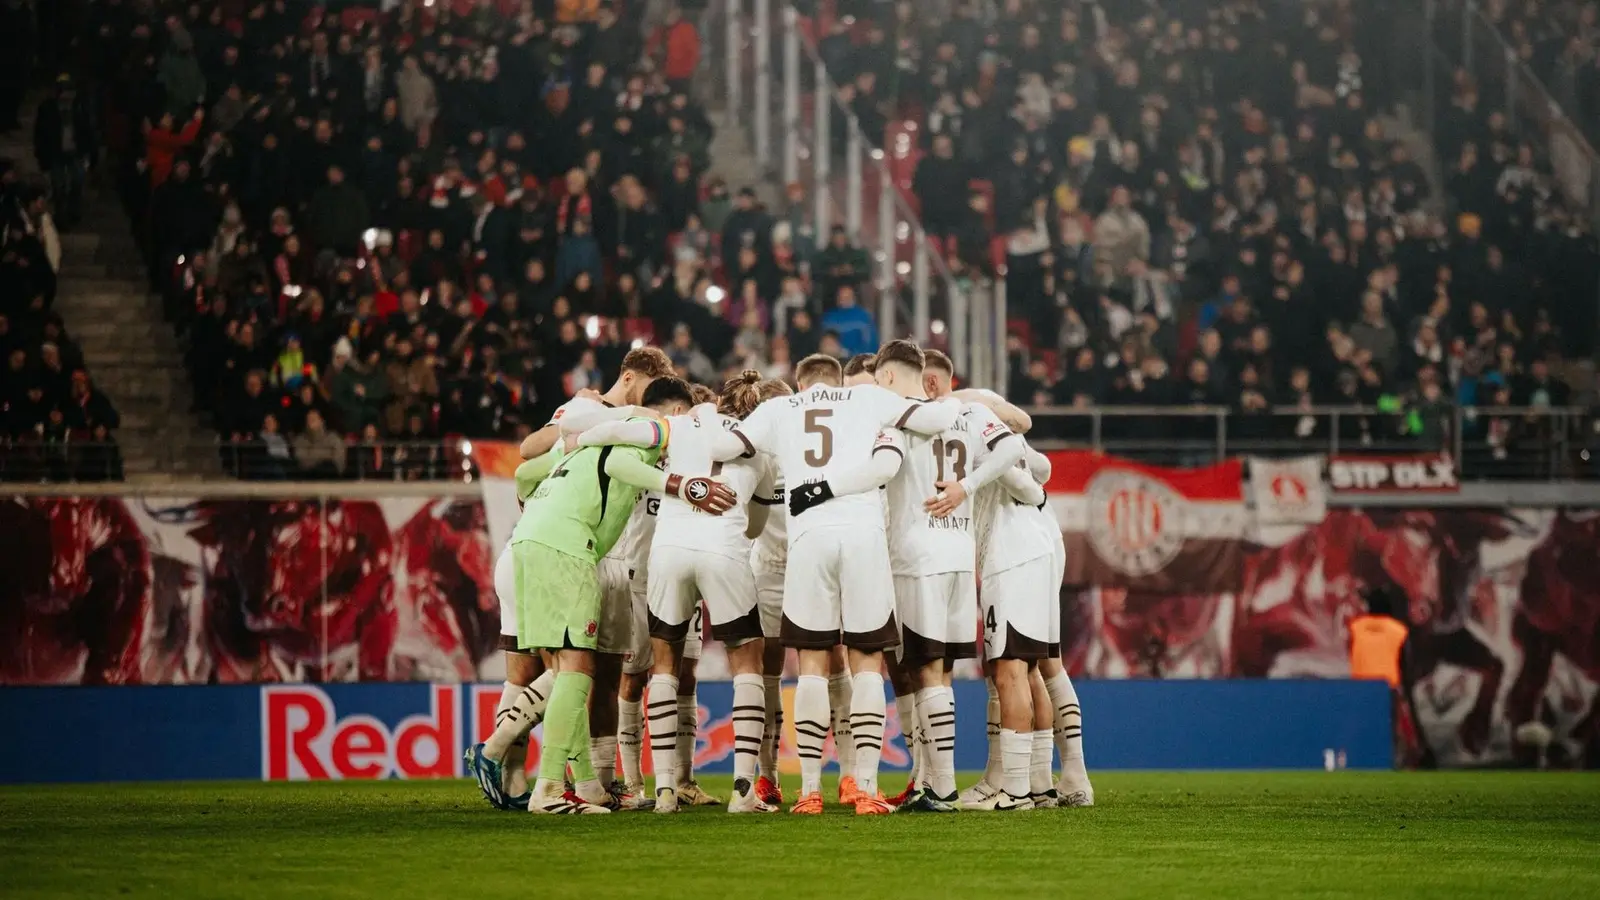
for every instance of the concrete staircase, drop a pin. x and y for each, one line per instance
(131, 353)
(733, 159)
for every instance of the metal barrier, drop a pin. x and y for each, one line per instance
(87, 462)
(1464, 37)
(802, 131)
(1501, 443)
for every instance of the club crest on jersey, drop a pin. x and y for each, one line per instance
(590, 629)
(1136, 524)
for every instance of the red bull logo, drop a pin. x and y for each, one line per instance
(303, 738)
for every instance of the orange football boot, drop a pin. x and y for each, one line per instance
(769, 791)
(809, 805)
(903, 796)
(849, 794)
(873, 806)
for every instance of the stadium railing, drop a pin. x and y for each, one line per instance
(775, 86)
(1462, 36)
(1499, 443)
(1484, 443)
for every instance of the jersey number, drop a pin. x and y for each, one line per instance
(988, 620)
(956, 452)
(819, 457)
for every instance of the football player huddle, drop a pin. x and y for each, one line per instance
(851, 521)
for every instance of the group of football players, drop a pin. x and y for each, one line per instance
(659, 508)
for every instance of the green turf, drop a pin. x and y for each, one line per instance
(1151, 835)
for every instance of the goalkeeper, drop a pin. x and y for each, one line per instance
(573, 518)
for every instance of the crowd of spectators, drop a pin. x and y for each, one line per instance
(1199, 204)
(54, 423)
(398, 228)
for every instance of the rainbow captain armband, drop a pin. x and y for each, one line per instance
(660, 435)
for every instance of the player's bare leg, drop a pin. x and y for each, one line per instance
(1012, 681)
(1074, 788)
(768, 785)
(1040, 787)
(747, 662)
(844, 747)
(661, 714)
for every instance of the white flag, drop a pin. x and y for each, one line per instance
(1288, 491)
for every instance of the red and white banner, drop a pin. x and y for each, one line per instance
(1288, 491)
(1419, 473)
(1149, 528)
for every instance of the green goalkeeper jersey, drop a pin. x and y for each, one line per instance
(579, 509)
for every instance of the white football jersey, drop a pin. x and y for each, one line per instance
(577, 404)
(919, 543)
(681, 524)
(634, 542)
(770, 552)
(820, 432)
(1009, 533)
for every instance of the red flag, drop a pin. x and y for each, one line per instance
(1148, 528)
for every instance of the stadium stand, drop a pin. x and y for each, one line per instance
(399, 227)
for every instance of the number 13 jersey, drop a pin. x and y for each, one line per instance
(920, 543)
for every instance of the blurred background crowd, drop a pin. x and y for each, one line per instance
(381, 228)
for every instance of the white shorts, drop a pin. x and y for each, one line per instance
(1018, 605)
(640, 656)
(769, 603)
(838, 580)
(680, 577)
(615, 634)
(938, 616)
(1058, 575)
(694, 639)
(505, 590)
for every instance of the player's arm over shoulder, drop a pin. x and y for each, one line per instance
(926, 417)
(633, 466)
(528, 475)
(759, 432)
(1009, 413)
(648, 433)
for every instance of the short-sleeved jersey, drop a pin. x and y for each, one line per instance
(1009, 533)
(579, 509)
(820, 432)
(771, 551)
(919, 543)
(689, 454)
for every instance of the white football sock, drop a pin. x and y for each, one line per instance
(993, 767)
(749, 721)
(1016, 754)
(867, 711)
(936, 715)
(810, 729)
(1068, 717)
(1039, 762)
(844, 746)
(772, 728)
(905, 712)
(603, 756)
(661, 711)
(688, 731)
(526, 711)
(630, 731)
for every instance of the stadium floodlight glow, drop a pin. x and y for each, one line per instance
(637, 343)
(466, 449)
(182, 259)
(902, 268)
(902, 232)
(936, 326)
(876, 154)
(370, 238)
(715, 295)
(591, 327)
(291, 290)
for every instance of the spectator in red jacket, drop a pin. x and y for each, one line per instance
(163, 144)
(679, 42)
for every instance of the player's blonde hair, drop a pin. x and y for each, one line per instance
(818, 368)
(702, 394)
(741, 394)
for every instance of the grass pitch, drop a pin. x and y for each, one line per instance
(1445, 835)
